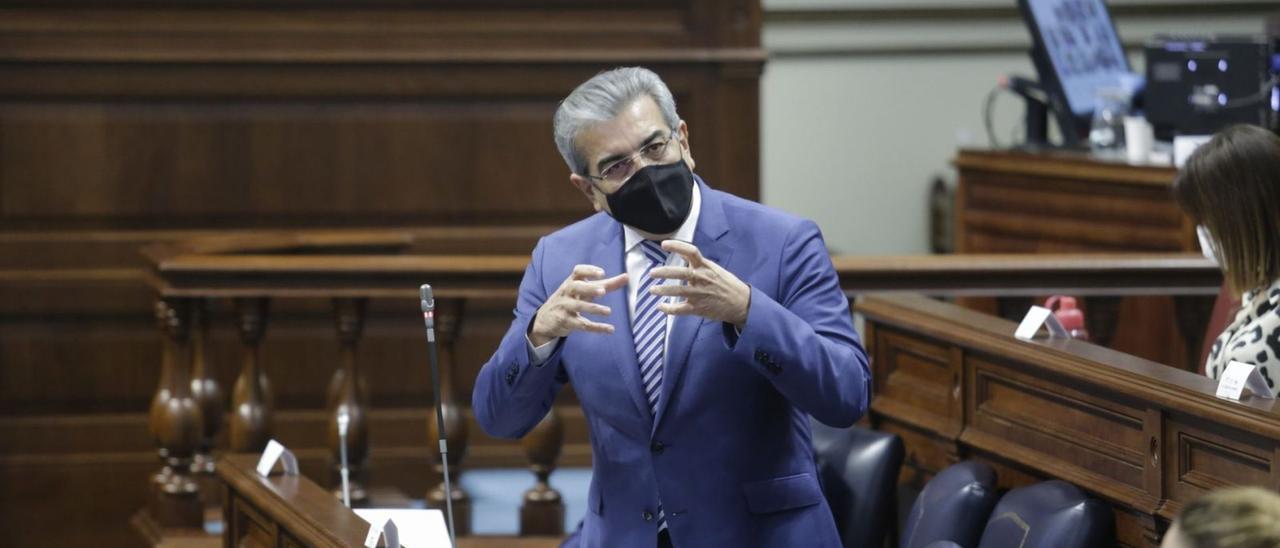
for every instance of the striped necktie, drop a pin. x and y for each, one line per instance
(649, 327)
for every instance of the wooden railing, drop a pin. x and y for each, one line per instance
(956, 384)
(349, 268)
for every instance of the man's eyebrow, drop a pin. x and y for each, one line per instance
(657, 133)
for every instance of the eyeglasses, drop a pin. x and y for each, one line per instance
(655, 152)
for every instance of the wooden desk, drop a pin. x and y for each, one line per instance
(1016, 202)
(292, 511)
(955, 384)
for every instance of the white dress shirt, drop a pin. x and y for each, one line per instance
(636, 264)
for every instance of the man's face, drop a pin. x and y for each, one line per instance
(637, 125)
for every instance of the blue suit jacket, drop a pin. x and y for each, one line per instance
(729, 453)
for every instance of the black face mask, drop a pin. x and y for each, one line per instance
(657, 199)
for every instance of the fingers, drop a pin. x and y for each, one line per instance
(582, 324)
(586, 307)
(677, 309)
(613, 283)
(583, 291)
(586, 272)
(672, 290)
(673, 273)
(591, 290)
(684, 249)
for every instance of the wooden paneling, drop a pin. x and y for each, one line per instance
(1206, 457)
(126, 124)
(1145, 437)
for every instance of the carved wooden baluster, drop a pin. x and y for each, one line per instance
(175, 422)
(204, 388)
(349, 393)
(448, 321)
(207, 392)
(543, 510)
(252, 403)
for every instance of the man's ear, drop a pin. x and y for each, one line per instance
(683, 129)
(586, 188)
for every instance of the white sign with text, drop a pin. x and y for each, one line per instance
(1239, 376)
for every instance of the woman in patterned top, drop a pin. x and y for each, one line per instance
(1231, 187)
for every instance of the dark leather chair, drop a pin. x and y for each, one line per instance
(1049, 514)
(953, 507)
(858, 469)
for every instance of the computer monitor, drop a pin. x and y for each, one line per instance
(1076, 52)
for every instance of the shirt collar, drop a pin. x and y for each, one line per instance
(684, 233)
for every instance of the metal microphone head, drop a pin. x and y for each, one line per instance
(428, 300)
(344, 419)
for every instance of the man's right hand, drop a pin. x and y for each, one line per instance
(562, 313)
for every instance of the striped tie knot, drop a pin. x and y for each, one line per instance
(653, 251)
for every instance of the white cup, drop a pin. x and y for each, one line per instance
(1139, 139)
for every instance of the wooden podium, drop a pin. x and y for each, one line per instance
(1060, 202)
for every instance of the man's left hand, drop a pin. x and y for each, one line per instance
(709, 290)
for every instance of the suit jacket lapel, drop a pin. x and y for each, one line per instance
(712, 226)
(610, 256)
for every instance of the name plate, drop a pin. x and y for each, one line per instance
(1036, 317)
(386, 530)
(274, 452)
(1239, 376)
(413, 528)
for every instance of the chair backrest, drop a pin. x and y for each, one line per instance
(1049, 514)
(1224, 311)
(953, 507)
(859, 473)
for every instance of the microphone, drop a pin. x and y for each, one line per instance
(428, 302)
(344, 419)
(1023, 86)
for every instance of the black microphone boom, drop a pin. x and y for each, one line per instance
(428, 302)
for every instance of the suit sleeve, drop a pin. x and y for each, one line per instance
(804, 341)
(512, 394)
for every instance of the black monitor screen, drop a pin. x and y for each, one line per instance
(1083, 47)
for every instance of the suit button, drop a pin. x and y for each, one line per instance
(656, 447)
(648, 516)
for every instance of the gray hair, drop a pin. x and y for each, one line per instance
(601, 99)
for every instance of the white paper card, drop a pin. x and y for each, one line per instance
(1237, 377)
(416, 528)
(275, 451)
(387, 530)
(1184, 145)
(1036, 317)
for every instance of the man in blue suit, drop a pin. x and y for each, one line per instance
(700, 331)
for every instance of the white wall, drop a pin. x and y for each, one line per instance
(861, 108)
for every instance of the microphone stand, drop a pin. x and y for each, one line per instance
(344, 419)
(428, 315)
